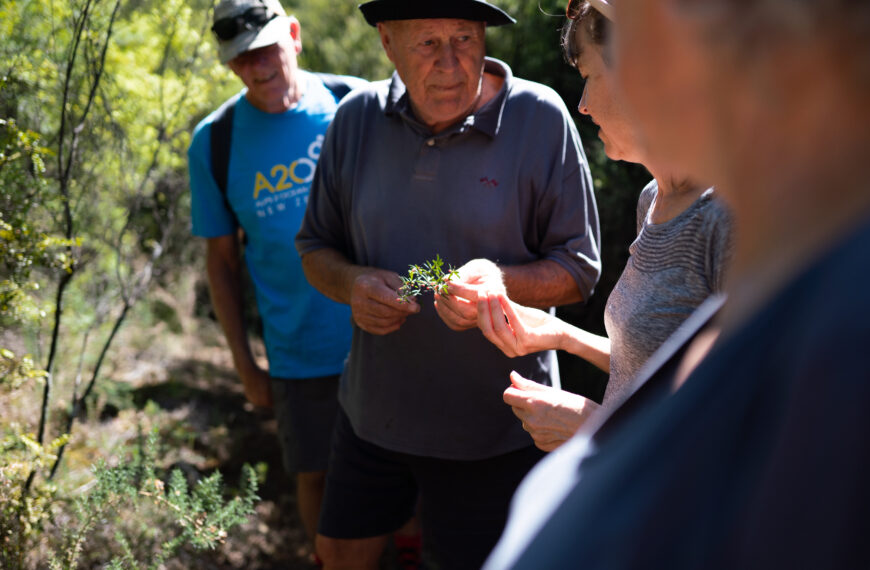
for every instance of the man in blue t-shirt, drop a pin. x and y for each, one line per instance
(277, 127)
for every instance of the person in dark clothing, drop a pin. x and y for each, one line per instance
(743, 441)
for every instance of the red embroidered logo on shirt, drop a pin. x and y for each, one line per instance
(490, 182)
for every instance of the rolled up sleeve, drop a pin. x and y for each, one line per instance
(567, 223)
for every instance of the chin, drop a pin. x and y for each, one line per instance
(612, 154)
(450, 113)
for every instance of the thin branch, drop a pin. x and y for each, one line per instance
(68, 224)
(46, 392)
(79, 26)
(94, 375)
(64, 173)
(98, 71)
(140, 281)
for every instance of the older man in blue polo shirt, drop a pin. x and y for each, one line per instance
(452, 156)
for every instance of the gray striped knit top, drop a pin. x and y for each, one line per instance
(673, 267)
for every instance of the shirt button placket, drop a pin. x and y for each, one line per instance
(427, 161)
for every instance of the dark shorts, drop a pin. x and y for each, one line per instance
(371, 491)
(305, 409)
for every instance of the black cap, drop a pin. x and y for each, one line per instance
(475, 10)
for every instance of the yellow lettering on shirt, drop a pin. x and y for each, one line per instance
(283, 184)
(261, 183)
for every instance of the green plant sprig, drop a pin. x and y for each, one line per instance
(428, 277)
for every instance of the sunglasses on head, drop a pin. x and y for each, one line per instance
(254, 18)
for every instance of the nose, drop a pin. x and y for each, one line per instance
(583, 107)
(447, 56)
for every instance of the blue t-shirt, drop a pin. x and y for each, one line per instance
(273, 157)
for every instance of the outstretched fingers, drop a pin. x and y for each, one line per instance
(494, 325)
(463, 290)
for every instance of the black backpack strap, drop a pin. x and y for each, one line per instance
(338, 84)
(221, 139)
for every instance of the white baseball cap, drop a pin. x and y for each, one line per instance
(245, 25)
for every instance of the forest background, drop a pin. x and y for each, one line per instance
(123, 430)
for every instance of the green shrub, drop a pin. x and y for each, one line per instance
(127, 516)
(136, 519)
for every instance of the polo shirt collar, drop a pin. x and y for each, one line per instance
(487, 119)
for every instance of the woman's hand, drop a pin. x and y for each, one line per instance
(458, 309)
(551, 416)
(515, 329)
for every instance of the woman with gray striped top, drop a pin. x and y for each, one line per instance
(676, 262)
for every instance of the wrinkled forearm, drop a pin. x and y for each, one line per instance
(540, 284)
(331, 273)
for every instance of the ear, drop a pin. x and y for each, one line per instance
(296, 34)
(386, 40)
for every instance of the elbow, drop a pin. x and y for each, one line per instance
(573, 295)
(577, 284)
